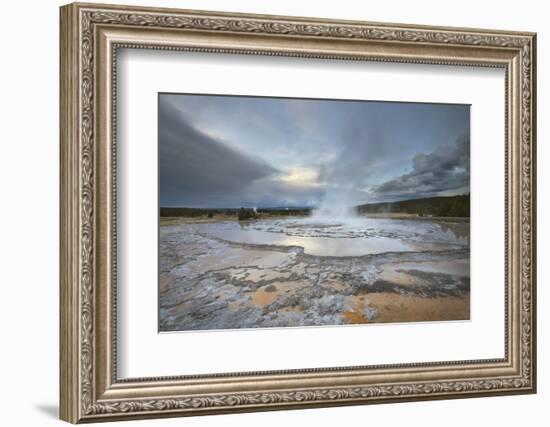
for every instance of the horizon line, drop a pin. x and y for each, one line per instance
(305, 206)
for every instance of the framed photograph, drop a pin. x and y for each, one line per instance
(265, 212)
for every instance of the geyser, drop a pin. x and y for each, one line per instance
(336, 205)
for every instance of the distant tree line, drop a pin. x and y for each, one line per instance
(195, 212)
(285, 211)
(452, 206)
(239, 213)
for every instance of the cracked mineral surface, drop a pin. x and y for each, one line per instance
(225, 274)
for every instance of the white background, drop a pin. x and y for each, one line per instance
(29, 171)
(145, 353)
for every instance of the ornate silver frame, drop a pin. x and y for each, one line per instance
(90, 36)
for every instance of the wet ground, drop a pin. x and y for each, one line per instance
(308, 271)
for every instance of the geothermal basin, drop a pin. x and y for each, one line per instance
(220, 273)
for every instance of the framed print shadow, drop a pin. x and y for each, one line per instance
(265, 212)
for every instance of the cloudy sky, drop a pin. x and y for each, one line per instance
(229, 151)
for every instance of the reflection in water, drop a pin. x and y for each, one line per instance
(461, 230)
(348, 237)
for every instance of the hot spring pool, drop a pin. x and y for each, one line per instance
(355, 236)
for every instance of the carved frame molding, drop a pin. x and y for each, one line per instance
(90, 36)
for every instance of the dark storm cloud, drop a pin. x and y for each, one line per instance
(193, 164)
(445, 169)
(231, 151)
